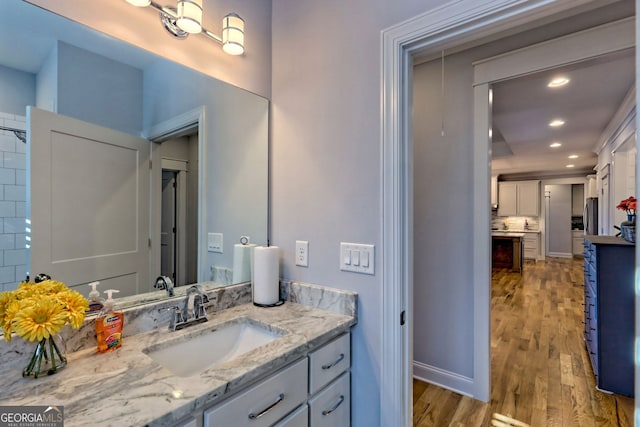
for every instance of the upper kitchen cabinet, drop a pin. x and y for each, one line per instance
(519, 198)
(494, 191)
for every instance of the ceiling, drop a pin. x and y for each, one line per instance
(524, 106)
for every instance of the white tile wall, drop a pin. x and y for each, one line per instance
(13, 191)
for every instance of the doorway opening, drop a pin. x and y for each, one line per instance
(445, 27)
(176, 198)
(178, 213)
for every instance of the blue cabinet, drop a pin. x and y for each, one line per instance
(609, 310)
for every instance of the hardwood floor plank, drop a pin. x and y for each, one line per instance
(540, 371)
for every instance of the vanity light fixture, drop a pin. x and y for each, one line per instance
(558, 82)
(187, 19)
(556, 123)
(189, 16)
(555, 145)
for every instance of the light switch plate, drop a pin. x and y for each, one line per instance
(215, 242)
(357, 257)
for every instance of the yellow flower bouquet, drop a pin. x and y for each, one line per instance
(37, 312)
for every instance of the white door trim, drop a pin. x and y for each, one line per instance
(440, 28)
(168, 129)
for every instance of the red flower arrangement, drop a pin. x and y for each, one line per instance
(628, 205)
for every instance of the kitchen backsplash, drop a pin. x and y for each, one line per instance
(514, 222)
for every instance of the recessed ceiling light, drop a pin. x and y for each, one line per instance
(558, 82)
(556, 123)
(571, 166)
(555, 144)
(573, 156)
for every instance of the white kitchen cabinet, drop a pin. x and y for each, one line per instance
(519, 198)
(531, 245)
(494, 191)
(507, 199)
(577, 242)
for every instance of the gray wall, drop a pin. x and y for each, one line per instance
(443, 279)
(325, 163)
(17, 90)
(99, 90)
(559, 218)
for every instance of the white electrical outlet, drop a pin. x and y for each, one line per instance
(357, 258)
(302, 253)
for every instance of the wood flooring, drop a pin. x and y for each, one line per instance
(540, 370)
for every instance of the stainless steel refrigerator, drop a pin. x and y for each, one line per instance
(591, 216)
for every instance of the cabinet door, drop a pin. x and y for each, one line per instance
(507, 199)
(326, 363)
(264, 403)
(529, 198)
(298, 418)
(531, 245)
(332, 406)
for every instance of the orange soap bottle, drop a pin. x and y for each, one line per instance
(109, 325)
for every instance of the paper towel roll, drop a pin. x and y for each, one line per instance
(242, 262)
(265, 274)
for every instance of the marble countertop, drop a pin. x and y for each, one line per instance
(127, 388)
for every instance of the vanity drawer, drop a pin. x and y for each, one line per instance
(328, 362)
(332, 407)
(299, 418)
(264, 403)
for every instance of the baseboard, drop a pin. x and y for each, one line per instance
(560, 254)
(442, 378)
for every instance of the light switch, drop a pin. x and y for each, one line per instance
(356, 257)
(346, 256)
(364, 259)
(214, 242)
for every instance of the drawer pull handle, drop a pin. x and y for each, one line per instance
(328, 411)
(334, 363)
(253, 416)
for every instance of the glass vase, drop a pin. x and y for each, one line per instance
(47, 359)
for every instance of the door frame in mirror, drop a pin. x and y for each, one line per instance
(159, 132)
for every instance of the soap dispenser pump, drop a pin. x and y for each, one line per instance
(109, 325)
(95, 302)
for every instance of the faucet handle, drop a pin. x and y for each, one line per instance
(177, 317)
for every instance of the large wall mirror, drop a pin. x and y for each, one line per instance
(206, 142)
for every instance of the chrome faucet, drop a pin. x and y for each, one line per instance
(193, 312)
(197, 301)
(164, 282)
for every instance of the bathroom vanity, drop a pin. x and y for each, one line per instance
(300, 378)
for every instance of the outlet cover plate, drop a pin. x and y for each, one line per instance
(302, 253)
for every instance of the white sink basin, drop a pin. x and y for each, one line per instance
(192, 354)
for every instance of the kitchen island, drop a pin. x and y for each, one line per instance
(507, 249)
